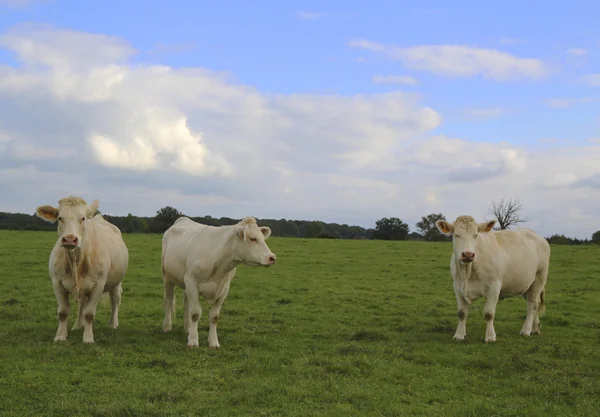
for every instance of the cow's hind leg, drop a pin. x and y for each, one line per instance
(168, 304)
(535, 305)
(537, 327)
(186, 313)
(62, 297)
(115, 302)
(213, 319)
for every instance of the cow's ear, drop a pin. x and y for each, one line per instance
(92, 209)
(444, 227)
(48, 213)
(241, 231)
(486, 226)
(266, 231)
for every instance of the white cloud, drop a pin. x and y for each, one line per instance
(486, 113)
(593, 80)
(308, 15)
(78, 117)
(563, 103)
(577, 51)
(395, 79)
(460, 61)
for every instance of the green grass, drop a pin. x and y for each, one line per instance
(336, 328)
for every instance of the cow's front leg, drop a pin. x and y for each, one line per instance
(194, 311)
(213, 317)
(62, 297)
(489, 311)
(89, 311)
(463, 313)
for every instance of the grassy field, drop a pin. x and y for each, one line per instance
(336, 328)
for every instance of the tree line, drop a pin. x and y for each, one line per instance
(388, 228)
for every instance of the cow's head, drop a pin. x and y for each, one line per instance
(465, 232)
(72, 213)
(250, 245)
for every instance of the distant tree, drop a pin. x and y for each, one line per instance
(508, 213)
(165, 217)
(390, 228)
(429, 230)
(596, 237)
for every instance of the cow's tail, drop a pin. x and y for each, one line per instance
(542, 307)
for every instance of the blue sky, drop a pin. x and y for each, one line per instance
(515, 83)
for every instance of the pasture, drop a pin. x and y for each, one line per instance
(336, 328)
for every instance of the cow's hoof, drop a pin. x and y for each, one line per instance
(216, 347)
(60, 339)
(490, 339)
(460, 338)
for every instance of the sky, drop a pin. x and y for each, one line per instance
(340, 111)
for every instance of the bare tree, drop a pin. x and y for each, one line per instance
(508, 213)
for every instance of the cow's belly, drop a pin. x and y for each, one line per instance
(515, 286)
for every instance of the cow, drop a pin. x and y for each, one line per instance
(202, 260)
(496, 265)
(89, 258)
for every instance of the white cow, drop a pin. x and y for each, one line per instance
(496, 265)
(202, 260)
(88, 259)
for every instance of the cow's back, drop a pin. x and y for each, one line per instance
(110, 240)
(176, 246)
(521, 255)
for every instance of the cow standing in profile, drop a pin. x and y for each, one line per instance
(496, 265)
(202, 260)
(88, 259)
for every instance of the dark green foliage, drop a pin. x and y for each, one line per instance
(390, 228)
(336, 328)
(429, 230)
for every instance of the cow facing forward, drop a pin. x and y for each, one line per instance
(88, 259)
(202, 260)
(496, 265)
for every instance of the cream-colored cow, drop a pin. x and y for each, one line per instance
(88, 259)
(496, 265)
(202, 260)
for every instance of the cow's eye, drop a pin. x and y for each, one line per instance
(82, 219)
(253, 239)
(457, 236)
(60, 219)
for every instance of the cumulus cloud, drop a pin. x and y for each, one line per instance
(395, 79)
(460, 61)
(77, 116)
(484, 113)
